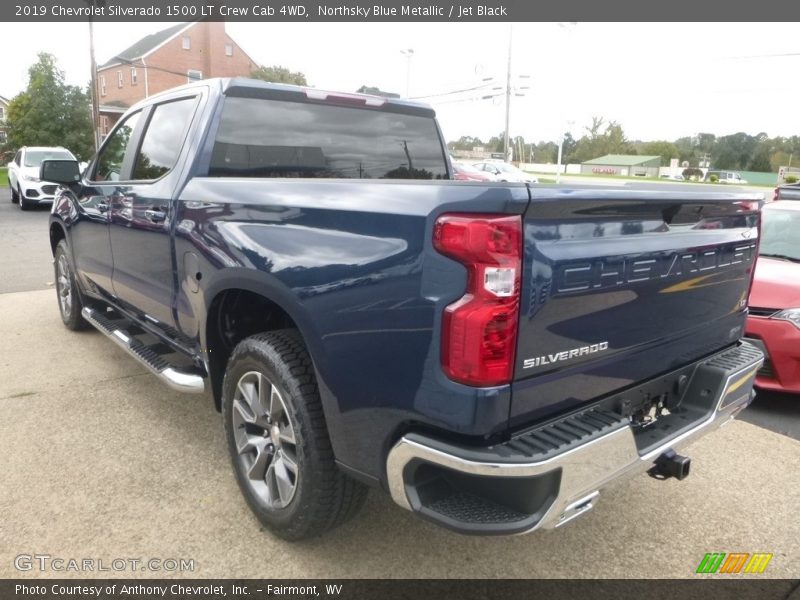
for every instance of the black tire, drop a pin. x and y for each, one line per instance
(65, 277)
(14, 195)
(322, 496)
(23, 203)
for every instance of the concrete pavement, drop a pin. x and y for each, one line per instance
(99, 460)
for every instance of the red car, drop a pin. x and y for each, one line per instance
(465, 172)
(774, 321)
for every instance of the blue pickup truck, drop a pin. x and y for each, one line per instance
(490, 354)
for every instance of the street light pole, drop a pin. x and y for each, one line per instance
(409, 54)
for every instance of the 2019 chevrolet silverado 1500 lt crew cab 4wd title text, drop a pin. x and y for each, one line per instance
(490, 354)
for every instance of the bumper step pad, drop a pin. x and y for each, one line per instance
(548, 475)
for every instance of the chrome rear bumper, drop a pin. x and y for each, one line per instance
(572, 478)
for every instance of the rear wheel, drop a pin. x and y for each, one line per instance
(14, 194)
(278, 439)
(70, 303)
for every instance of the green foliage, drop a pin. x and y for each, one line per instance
(736, 152)
(790, 179)
(666, 150)
(568, 148)
(714, 178)
(50, 113)
(465, 142)
(600, 140)
(278, 74)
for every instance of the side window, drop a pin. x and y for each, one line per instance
(163, 138)
(109, 162)
(18, 157)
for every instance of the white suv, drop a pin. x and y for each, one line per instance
(23, 175)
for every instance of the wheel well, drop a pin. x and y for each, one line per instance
(235, 314)
(56, 235)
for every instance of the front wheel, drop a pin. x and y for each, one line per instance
(14, 194)
(23, 202)
(70, 303)
(278, 440)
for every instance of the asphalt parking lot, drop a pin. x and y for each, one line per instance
(101, 461)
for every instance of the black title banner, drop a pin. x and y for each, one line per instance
(404, 589)
(396, 10)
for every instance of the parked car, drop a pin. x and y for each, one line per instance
(774, 320)
(491, 355)
(27, 188)
(467, 172)
(788, 191)
(506, 172)
(672, 177)
(726, 177)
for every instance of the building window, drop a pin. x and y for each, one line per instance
(119, 79)
(134, 80)
(103, 125)
(228, 49)
(3, 137)
(192, 75)
(187, 42)
(102, 85)
(2, 113)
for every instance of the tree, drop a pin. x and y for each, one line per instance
(50, 113)
(278, 74)
(465, 142)
(666, 150)
(568, 148)
(599, 141)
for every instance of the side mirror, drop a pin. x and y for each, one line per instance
(65, 172)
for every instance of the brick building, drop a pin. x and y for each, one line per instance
(166, 59)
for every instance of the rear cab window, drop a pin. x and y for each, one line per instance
(265, 137)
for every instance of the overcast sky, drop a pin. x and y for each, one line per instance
(659, 80)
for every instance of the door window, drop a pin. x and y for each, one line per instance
(163, 138)
(109, 162)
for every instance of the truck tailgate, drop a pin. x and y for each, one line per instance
(622, 285)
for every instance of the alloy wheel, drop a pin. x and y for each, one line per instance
(265, 440)
(64, 283)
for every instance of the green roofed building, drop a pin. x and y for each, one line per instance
(623, 164)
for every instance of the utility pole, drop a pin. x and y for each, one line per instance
(95, 101)
(409, 54)
(95, 107)
(508, 92)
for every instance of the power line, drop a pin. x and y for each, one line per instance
(471, 89)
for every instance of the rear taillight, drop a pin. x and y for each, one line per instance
(479, 331)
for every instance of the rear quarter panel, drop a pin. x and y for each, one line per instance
(353, 265)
